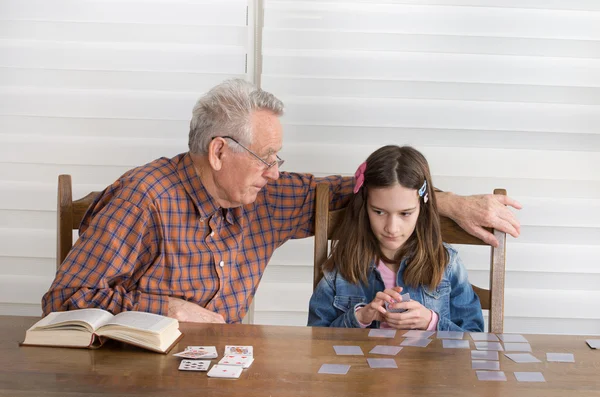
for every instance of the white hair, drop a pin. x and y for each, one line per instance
(226, 110)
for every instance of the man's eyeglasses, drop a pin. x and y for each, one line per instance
(279, 161)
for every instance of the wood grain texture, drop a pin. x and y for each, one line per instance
(287, 360)
(492, 299)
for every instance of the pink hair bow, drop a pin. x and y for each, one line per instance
(359, 175)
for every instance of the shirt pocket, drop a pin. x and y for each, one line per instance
(438, 299)
(346, 302)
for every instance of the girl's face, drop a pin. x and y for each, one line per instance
(393, 213)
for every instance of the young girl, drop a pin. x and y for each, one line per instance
(389, 243)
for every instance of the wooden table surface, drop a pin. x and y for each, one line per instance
(286, 363)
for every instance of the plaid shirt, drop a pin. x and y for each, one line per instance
(157, 233)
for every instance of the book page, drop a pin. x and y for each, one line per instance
(94, 318)
(141, 320)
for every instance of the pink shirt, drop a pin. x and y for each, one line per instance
(389, 281)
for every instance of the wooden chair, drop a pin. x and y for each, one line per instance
(492, 299)
(69, 216)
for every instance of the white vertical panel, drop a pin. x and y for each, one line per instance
(495, 93)
(92, 88)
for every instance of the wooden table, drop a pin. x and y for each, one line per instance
(286, 363)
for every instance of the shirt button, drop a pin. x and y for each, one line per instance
(221, 263)
(212, 234)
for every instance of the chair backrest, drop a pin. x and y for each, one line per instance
(69, 215)
(492, 299)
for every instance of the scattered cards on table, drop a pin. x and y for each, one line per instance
(483, 337)
(517, 347)
(237, 360)
(334, 369)
(382, 363)
(415, 333)
(455, 344)
(593, 343)
(497, 346)
(522, 357)
(512, 338)
(416, 342)
(382, 333)
(246, 350)
(225, 371)
(484, 355)
(529, 377)
(491, 375)
(488, 365)
(449, 335)
(194, 365)
(560, 357)
(196, 352)
(384, 349)
(348, 350)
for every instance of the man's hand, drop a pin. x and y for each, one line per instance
(473, 213)
(189, 312)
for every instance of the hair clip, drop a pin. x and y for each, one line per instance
(423, 191)
(359, 175)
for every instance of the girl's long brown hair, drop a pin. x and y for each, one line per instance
(355, 247)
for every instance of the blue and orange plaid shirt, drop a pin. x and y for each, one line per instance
(157, 233)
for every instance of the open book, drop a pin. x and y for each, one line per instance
(90, 327)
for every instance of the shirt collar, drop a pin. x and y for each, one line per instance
(204, 202)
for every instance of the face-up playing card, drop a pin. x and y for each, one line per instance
(388, 350)
(382, 363)
(593, 343)
(194, 365)
(191, 354)
(449, 335)
(529, 377)
(245, 350)
(418, 334)
(382, 333)
(405, 298)
(348, 350)
(455, 344)
(239, 360)
(560, 357)
(334, 369)
(489, 346)
(483, 337)
(517, 347)
(484, 355)
(487, 365)
(225, 371)
(512, 338)
(491, 375)
(522, 357)
(207, 351)
(416, 342)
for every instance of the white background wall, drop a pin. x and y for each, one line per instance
(496, 93)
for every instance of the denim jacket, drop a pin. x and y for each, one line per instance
(334, 300)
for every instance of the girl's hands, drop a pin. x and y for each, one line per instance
(375, 311)
(417, 316)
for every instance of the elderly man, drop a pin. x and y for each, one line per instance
(189, 237)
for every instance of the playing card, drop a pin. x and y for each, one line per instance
(517, 347)
(194, 365)
(488, 365)
(382, 333)
(560, 357)
(484, 355)
(489, 346)
(245, 350)
(417, 334)
(449, 335)
(389, 350)
(455, 344)
(239, 360)
(335, 369)
(482, 336)
(191, 354)
(512, 338)
(405, 298)
(225, 371)
(416, 342)
(382, 363)
(529, 377)
(491, 375)
(593, 343)
(348, 350)
(522, 357)
(208, 351)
